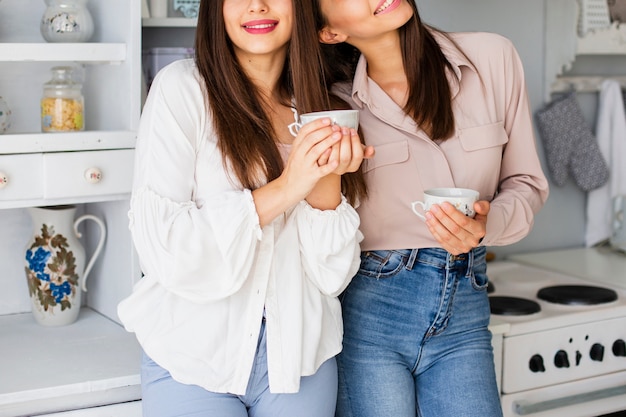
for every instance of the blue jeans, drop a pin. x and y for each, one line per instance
(416, 341)
(162, 396)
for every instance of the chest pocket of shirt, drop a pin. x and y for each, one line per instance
(387, 154)
(483, 137)
(479, 163)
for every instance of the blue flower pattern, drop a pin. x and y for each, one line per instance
(60, 291)
(37, 262)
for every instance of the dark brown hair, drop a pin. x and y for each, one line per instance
(429, 101)
(244, 131)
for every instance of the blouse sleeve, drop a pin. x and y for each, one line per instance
(199, 250)
(329, 244)
(523, 187)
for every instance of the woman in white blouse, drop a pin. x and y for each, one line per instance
(245, 234)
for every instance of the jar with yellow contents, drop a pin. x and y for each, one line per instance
(62, 104)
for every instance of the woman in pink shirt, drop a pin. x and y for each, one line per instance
(441, 110)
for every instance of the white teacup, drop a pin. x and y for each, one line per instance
(347, 118)
(462, 199)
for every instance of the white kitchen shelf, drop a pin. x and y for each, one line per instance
(179, 22)
(583, 84)
(93, 361)
(53, 52)
(66, 141)
(605, 41)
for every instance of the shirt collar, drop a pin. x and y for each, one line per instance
(360, 86)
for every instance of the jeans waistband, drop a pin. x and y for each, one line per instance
(439, 255)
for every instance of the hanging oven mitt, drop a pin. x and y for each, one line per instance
(587, 165)
(570, 144)
(558, 135)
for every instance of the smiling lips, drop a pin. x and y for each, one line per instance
(260, 26)
(387, 6)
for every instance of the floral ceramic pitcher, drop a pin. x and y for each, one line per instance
(55, 264)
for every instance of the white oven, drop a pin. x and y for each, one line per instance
(564, 353)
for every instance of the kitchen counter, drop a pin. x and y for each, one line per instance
(599, 264)
(89, 363)
(498, 326)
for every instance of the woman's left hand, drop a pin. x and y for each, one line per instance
(349, 152)
(456, 232)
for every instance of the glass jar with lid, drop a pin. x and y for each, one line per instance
(66, 21)
(62, 104)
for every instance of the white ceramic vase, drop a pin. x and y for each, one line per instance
(55, 264)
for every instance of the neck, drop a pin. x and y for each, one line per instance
(264, 70)
(385, 66)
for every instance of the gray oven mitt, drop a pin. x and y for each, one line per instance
(571, 147)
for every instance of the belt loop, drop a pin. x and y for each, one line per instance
(470, 263)
(411, 261)
(450, 259)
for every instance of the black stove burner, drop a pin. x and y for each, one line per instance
(584, 295)
(490, 287)
(512, 306)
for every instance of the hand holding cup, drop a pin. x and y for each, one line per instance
(462, 199)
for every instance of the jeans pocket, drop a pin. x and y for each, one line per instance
(382, 263)
(479, 280)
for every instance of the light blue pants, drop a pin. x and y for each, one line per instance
(416, 341)
(162, 396)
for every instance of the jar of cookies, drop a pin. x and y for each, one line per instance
(62, 104)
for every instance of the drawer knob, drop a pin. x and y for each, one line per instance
(93, 175)
(4, 180)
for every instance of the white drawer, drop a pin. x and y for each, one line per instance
(20, 177)
(79, 174)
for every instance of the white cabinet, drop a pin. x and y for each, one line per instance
(93, 364)
(92, 173)
(21, 177)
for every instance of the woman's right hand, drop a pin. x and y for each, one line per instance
(455, 232)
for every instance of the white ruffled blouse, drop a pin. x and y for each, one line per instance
(211, 272)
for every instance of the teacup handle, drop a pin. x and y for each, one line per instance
(422, 205)
(294, 128)
(100, 223)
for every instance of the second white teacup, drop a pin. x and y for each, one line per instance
(462, 199)
(347, 118)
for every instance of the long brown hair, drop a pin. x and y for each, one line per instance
(245, 135)
(429, 101)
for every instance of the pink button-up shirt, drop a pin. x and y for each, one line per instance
(492, 150)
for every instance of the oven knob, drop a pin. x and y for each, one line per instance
(619, 348)
(561, 360)
(597, 352)
(536, 364)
